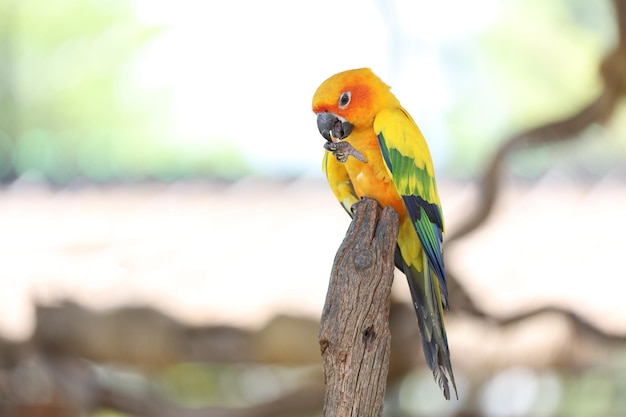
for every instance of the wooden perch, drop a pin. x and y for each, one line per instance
(354, 332)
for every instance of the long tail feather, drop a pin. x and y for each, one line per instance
(429, 309)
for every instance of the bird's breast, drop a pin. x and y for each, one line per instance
(371, 179)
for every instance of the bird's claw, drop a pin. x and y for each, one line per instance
(341, 150)
(355, 206)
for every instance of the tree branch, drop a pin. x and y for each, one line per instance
(354, 332)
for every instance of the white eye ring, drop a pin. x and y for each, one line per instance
(344, 99)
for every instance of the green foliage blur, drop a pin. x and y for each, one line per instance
(537, 63)
(72, 106)
(68, 101)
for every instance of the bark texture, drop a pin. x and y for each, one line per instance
(354, 331)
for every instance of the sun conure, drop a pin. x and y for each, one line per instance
(374, 149)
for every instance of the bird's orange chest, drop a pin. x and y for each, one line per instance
(371, 178)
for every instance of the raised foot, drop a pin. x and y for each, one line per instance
(341, 150)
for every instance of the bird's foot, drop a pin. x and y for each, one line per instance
(355, 206)
(342, 149)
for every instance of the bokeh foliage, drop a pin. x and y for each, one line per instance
(73, 103)
(537, 63)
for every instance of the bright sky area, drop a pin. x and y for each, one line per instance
(245, 71)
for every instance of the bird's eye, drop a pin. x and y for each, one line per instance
(344, 100)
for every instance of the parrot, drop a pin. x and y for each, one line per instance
(374, 149)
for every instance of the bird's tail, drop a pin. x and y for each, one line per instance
(429, 308)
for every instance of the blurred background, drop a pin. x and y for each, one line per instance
(167, 233)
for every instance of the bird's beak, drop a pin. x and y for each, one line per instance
(334, 128)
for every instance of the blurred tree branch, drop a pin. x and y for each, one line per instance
(612, 70)
(66, 360)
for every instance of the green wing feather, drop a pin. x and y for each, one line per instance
(408, 162)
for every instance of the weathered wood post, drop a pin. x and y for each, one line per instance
(354, 334)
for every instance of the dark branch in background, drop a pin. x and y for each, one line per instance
(66, 362)
(613, 72)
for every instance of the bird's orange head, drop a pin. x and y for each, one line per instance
(349, 101)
